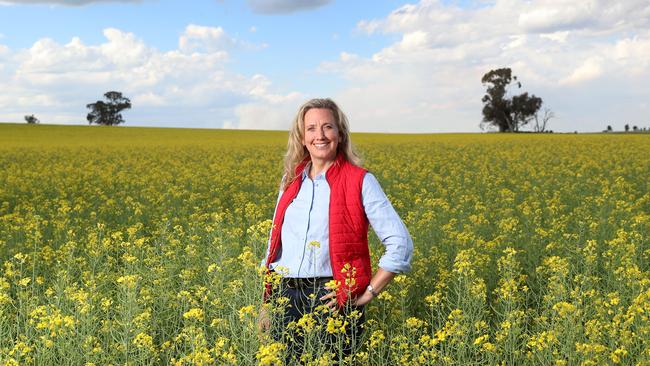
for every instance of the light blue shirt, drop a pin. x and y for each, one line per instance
(305, 232)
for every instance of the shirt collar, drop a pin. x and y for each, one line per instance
(305, 173)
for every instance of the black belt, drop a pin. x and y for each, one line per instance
(308, 282)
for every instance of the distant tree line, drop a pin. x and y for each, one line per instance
(626, 128)
(106, 112)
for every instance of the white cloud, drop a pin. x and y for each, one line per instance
(122, 48)
(571, 54)
(263, 116)
(556, 17)
(547, 16)
(589, 70)
(267, 110)
(148, 99)
(633, 51)
(560, 36)
(188, 86)
(204, 39)
(517, 40)
(284, 6)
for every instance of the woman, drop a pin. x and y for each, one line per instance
(320, 225)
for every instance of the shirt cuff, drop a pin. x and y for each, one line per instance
(393, 266)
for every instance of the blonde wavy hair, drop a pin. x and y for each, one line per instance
(297, 152)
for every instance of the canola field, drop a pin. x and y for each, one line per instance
(141, 246)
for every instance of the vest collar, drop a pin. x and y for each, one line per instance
(333, 171)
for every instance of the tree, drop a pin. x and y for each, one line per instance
(109, 112)
(609, 128)
(31, 119)
(508, 114)
(635, 128)
(540, 126)
(627, 128)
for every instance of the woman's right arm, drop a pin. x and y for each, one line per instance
(268, 242)
(263, 320)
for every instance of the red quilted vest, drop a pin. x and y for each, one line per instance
(348, 227)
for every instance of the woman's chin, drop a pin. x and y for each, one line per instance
(325, 157)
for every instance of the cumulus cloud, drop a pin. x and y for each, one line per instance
(569, 53)
(264, 115)
(204, 39)
(284, 6)
(546, 16)
(588, 70)
(560, 36)
(191, 85)
(552, 18)
(268, 110)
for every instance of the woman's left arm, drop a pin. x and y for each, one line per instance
(393, 234)
(381, 278)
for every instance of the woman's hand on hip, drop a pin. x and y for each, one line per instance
(363, 299)
(263, 320)
(359, 301)
(331, 296)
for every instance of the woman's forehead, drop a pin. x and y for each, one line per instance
(322, 115)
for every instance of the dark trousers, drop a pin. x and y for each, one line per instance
(338, 332)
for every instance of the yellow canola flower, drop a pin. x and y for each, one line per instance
(24, 282)
(564, 308)
(20, 257)
(246, 311)
(542, 341)
(414, 323)
(128, 281)
(376, 338)
(270, 355)
(618, 355)
(194, 314)
(144, 341)
(332, 285)
(307, 322)
(336, 325)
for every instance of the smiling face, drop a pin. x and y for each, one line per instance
(321, 136)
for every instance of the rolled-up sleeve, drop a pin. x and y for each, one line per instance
(388, 226)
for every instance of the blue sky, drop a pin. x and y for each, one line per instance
(394, 66)
(296, 41)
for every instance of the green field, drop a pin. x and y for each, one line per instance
(123, 245)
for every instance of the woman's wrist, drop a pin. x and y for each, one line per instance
(372, 291)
